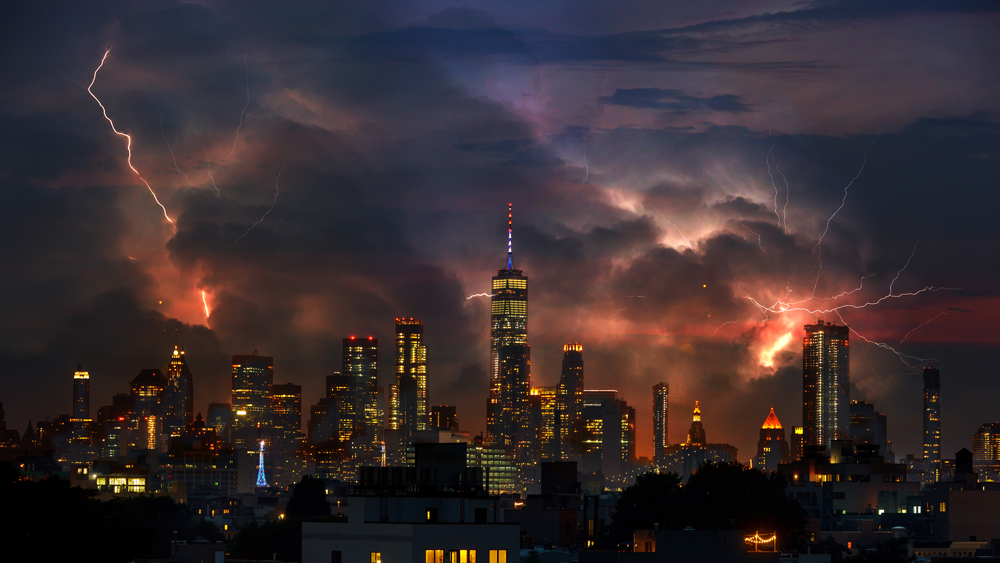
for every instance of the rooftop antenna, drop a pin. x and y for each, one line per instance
(510, 236)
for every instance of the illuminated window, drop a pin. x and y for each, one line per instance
(498, 556)
(376, 557)
(943, 507)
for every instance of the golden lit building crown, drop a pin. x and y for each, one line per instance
(772, 422)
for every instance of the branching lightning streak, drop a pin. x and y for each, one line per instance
(759, 242)
(616, 313)
(172, 155)
(923, 324)
(727, 323)
(679, 231)
(205, 302)
(767, 160)
(914, 251)
(479, 295)
(119, 133)
(246, 73)
(273, 203)
(784, 209)
(819, 243)
(587, 166)
(885, 346)
(781, 307)
(209, 159)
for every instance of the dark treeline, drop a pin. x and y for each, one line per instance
(720, 496)
(50, 521)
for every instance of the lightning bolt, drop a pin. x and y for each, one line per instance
(613, 315)
(209, 159)
(671, 223)
(162, 133)
(585, 164)
(727, 323)
(767, 160)
(246, 73)
(479, 295)
(901, 356)
(259, 221)
(204, 301)
(923, 324)
(759, 242)
(783, 220)
(819, 244)
(119, 133)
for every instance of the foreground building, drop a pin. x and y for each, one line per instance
(436, 512)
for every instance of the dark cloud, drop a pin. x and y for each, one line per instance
(673, 101)
(403, 131)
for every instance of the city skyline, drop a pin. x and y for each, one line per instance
(692, 186)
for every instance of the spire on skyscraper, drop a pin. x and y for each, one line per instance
(510, 236)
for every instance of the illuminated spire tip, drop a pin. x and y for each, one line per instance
(510, 236)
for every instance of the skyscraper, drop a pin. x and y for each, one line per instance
(569, 396)
(178, 395)
(81, 405)
(408, 408)
(661, 405)
(507, 415)
(549, 431)
(772, 448)
(253, 376)
(147, 410)
(826, 384)
(986, 452)
(696, 434)
(286, 429)
(360, 364)
(932, 424)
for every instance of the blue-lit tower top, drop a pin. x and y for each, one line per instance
(261, 481)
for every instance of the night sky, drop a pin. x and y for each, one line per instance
(336, 165)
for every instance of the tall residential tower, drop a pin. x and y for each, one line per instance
(932, 425)
(661, 406)
(826, 384)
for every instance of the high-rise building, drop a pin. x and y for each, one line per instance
(286, 431)
(772, 448)
(146, 421)
(570, 401)
(684, 459)
(868, 426)
(253, 376)
(507, 415)
(548, 432)
(986, 452)
(932, 425)
(444, 417)
(178, 395)
(826, 384)
(696, 434)
(661, 405)
(360, 364)
(607, 435)
(81, 406)
(408, 406)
